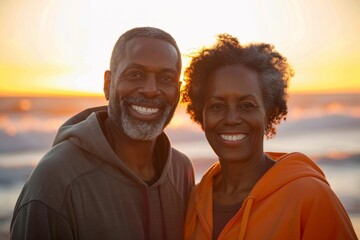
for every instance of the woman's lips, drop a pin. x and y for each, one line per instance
(233, 137)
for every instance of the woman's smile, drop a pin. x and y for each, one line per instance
(233, 137)
(234, 113)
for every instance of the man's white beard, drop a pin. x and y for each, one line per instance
(142, 130)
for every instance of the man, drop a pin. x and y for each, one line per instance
(112, 173)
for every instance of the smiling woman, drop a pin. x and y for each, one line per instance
(242, 106)
(238, 95)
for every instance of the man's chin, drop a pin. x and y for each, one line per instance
(142, 132)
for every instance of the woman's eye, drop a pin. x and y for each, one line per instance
(247, 106)
(217, 106)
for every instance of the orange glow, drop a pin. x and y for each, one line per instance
(340, 76)
(28, 124)
(24, 105)
(333, 156)
(62, 48)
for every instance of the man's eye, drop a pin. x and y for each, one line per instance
(134, 75)
(167, 79)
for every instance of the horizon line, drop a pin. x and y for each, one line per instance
(96, 95)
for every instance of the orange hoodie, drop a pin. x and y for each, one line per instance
(292, 200)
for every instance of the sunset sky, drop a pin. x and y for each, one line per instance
(63, 47)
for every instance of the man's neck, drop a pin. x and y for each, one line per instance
(137, 155)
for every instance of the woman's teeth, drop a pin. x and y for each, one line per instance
(233, 138)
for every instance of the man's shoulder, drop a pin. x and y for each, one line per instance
(56, 171)
(67, 159)
(179, 155)
(180, 159)
(181, 166)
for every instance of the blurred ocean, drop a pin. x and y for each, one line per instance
(326, 127)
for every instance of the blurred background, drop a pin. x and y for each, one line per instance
(53, 54)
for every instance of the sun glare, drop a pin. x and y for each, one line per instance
(57, 47)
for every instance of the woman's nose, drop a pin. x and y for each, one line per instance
(233, 116)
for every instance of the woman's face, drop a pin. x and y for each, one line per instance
(234, 113)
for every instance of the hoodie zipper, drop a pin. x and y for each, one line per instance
(203, 222)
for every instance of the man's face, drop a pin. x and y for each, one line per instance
(144, 90)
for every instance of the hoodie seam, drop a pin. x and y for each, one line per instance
(43, 203)
(72, 183)
(176, 190)
(65, 195)
(94, 136)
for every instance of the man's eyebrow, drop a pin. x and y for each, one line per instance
(171, 70)
(133, 65)
(241, 98)
(139, 66)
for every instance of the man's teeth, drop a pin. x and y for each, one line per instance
(233, 138)
(144, 110)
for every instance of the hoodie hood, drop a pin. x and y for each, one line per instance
(288, 168)
(85, 131)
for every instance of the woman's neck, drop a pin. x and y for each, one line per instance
(236, 180)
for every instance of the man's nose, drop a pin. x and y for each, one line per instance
(150, 87)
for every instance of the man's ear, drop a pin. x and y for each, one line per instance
(178, 99)
(107, 82)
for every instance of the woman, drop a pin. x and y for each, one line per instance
(238, 95)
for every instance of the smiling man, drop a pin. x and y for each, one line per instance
(112, 173)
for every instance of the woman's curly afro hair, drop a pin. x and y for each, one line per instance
(273, 70)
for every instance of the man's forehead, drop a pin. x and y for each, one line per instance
(149, 43)
(151, 52)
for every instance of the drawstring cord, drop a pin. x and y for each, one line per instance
(146, 214)
(245, 217)
(162, 214)
(191, 225)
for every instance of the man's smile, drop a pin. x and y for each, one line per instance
(144, 110)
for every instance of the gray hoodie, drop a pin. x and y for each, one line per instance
(81, 190)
